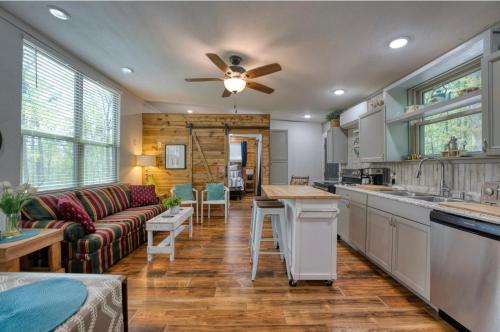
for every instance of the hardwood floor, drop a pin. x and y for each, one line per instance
(208, 288)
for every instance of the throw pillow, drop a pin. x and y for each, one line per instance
(215, 191)
(72, 211)
(142, 195)
(184, 191)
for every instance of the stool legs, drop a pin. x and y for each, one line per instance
(257, 235)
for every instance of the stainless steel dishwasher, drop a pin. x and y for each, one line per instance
(465, 271)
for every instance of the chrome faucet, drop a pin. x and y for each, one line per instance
(444, 191)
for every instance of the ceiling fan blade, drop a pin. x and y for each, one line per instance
(219, 62)
(226, 93)
(260, 87)
(208, 79)
(264, 70)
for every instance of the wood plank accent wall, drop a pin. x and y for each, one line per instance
(162, 129)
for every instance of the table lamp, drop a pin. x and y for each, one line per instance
(147, 161)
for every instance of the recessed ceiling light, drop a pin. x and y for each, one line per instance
(127, 70)
(190, 111)
(339, 92)
(59, 13)
(398, 42)
(307, 116)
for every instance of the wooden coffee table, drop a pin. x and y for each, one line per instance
(11, 253)
(173, 225)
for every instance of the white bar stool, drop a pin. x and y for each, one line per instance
(276, 210)
(252, 225)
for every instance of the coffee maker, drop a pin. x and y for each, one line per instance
(380, 176)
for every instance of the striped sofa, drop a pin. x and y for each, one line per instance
(120, 228)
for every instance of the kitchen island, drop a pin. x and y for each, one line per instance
(311, 232)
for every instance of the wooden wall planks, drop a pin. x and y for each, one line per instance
(162, 129)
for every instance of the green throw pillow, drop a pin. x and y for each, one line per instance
(184, 191)
(215, 191)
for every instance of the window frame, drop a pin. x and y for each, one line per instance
(415, 95)
(77, 140)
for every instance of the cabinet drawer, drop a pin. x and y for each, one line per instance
(402, 209)
(352, 195)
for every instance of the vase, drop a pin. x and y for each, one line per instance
(12, 225)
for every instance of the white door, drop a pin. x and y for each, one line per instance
(357, 226)
(379, 237)
(411, 255)
(278, 156)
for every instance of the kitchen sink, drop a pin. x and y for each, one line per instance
(406, 193)
(437, 199)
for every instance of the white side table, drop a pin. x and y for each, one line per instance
(173, 225)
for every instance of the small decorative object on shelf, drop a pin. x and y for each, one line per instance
(375, 103)
(172, 203)
(12, 201)
(334, 118)
(413, 108)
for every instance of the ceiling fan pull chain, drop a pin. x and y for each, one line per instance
(235, 108)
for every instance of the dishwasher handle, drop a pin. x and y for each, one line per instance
(474, 226)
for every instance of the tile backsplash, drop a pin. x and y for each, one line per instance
(461, 176)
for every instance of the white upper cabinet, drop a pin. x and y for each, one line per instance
(349, 118)
(491, 94)
(336, 146)
(372, 136)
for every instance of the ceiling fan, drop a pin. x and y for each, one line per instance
(236, 78)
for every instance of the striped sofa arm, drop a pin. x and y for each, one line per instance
(72, 230)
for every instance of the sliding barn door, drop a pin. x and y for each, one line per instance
(209, 153)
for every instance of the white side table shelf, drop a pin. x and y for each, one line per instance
(165, 223)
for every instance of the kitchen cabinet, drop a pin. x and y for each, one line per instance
(336, 146)
(372, 136)
(491, 103)
(379, 237)
(350, 118)
(357, 226)
(411, 255)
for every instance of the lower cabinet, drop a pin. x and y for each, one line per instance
(411, 255)
(357, 226)
(401, 247)
(343, 220)
(379, 237)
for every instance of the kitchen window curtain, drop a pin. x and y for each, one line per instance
(244, 153)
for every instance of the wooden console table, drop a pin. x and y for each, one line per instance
(11, 252)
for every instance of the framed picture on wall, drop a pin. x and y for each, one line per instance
(175, 156)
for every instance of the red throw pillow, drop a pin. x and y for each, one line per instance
(72, 211)
(142, 195)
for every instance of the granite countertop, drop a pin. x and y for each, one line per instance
(426, 204)
(296, 192)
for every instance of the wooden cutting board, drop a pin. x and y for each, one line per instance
(375, 187)
(474, 207)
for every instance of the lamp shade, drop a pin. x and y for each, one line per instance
(145, 160)
(235, 84)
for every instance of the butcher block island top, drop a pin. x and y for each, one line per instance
(296, 192)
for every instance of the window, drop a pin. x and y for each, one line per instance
(432, 133)
(235, 151)
(69, 124)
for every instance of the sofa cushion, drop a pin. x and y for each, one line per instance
(43, 207)
(135, 217)
(72, 230)
(97, 202)
(142, 195)
(105, 234)
(120, 194)
(74, 211)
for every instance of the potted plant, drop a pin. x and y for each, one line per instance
(172, 203)
(12, 201)
(334, 118)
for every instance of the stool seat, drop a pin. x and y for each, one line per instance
(263, 198)
(270, 205)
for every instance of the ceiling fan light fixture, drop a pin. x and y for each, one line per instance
(235, 84)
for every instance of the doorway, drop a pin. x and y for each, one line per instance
(244, 165)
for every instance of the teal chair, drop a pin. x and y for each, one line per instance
(188, 195)
(216, 194)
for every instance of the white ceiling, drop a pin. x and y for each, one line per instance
(321, 46)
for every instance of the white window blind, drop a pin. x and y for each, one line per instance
(70, 125)
(235, 151)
